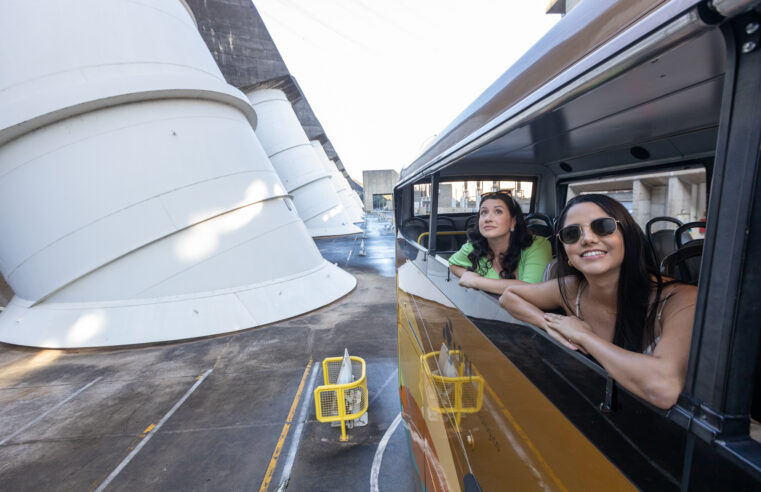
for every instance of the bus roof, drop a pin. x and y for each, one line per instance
(590, 35)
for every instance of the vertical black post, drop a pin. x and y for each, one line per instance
(728, 312)
(434, 213)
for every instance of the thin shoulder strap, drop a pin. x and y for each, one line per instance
(663, 303)
(578, 299)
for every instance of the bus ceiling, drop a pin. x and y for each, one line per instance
(568, 106)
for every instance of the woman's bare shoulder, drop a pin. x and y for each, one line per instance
(678, 297)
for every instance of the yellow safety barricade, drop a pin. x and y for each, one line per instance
(341, 402)
(456, 395)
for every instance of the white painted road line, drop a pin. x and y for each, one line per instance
(375, 470)
(380, 390)
(25, 427)
(153, 431)
(296, 439)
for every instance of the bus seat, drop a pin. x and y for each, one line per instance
(446, 243)
(684, 263)
(662, 241)
(413, 227)
(472, 221)
(682, 237)
(539, 224)
(551, 271)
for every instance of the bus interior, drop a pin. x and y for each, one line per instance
(659, 108)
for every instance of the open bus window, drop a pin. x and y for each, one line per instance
(422, 199)
(681, 195)
(464, 196)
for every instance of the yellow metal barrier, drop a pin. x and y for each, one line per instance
(455, 395)
(443, 233)
(341, 402)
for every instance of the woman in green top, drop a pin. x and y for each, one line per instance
(501, 251)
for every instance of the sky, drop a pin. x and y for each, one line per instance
(384, 77)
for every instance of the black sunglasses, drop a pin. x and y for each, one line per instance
(604, 226)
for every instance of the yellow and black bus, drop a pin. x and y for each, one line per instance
(658, 104)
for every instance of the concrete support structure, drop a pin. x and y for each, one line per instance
(380, 182)
(295, 161)
(641, 201)
(678, 194)
(678, 199)
(345, 194)
(138, 204)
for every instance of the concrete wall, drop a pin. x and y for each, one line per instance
(380, 182)
(678, 194)
(248, 58)
(241, 45)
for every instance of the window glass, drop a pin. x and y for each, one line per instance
(680, 195)
(422, 198)
(464, 196)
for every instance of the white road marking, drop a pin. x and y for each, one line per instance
(296, 439)
(375, 470)
(153, 431)
(25, 427)
(380, 390)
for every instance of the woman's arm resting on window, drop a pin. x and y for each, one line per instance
(657, 378)
(528, 302)
(472, 280)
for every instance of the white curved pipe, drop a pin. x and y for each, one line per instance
(292, 156)
(138, 204)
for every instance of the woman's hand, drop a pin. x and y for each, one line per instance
(469, 280)
(568, 330)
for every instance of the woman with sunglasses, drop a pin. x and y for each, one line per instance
(501, 250)
(618, 308)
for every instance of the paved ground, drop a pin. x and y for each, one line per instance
(209, 414)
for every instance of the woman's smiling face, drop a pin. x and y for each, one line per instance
(494, 219)
(593, 254)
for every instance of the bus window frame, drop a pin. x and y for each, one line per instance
(717, 395)
(533, 179)
(435, 180)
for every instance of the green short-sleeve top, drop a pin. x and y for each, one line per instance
(534, 260)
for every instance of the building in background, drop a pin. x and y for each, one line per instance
(379, 189)
(678, 194)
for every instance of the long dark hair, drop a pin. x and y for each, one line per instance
(520, 239)
(639, 275)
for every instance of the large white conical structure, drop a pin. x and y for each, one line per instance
(356, 198)
(339, 183)
(302, 173)
(136, 203)
(354, 195)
